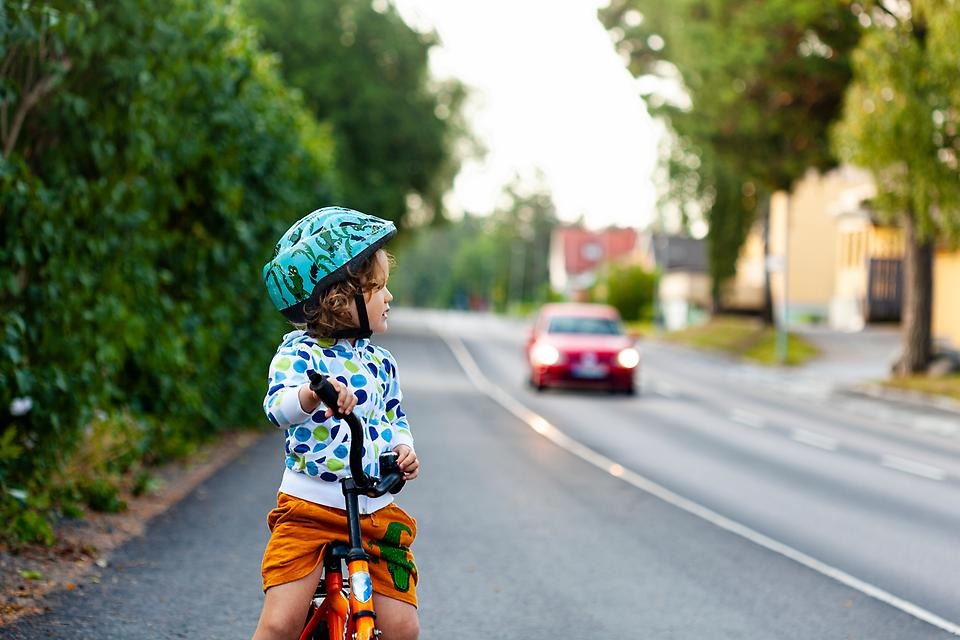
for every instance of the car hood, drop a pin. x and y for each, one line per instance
(586, 342)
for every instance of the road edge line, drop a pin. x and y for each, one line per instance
(543, 427)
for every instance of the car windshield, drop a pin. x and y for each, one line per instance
(575, 324)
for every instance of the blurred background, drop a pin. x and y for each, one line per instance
(776, 181)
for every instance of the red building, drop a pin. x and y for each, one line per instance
(576, 254)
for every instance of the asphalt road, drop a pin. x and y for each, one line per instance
(521, 539)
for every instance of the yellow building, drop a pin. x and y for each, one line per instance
(745, 290)
(946, 298)
(804, 241)
(869, 285)
(831, 257)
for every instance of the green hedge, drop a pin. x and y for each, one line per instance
(628, 288)
(139, 202)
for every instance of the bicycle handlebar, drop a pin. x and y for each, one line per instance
(392, 476)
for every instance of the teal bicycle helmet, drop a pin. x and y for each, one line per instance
(316, 253)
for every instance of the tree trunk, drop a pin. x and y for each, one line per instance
(917, 302)
(767, 312)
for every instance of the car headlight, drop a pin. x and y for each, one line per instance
(544, 354)
(628, 358)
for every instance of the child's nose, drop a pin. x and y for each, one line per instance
(387, 295)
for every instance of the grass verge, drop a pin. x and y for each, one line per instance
(948, 386)
(745, 338)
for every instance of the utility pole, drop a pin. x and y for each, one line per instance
(783, 328)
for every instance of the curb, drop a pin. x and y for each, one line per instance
(908, 399)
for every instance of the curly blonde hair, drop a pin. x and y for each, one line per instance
(333, 310)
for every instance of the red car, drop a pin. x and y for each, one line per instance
(581, 345)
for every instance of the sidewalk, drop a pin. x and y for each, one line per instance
(855, 363)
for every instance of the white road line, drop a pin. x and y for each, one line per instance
(746, 418)
(814, 439)
(913, 467)
(547, 430)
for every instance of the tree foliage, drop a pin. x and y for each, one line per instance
(363, 70)
(157, 158)
(481, 261)
(755, 86)
(901, 120)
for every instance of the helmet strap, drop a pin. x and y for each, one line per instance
(363, 331)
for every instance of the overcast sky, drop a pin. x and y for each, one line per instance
(549, 92)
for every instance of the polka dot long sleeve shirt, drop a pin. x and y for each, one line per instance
(317, 448)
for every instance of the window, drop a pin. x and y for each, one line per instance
(574, 324)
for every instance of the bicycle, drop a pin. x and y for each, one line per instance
(339, 610)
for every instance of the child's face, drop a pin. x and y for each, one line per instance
(378, 300)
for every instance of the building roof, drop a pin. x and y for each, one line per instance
(680, 253)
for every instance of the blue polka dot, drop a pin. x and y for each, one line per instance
(312, 469)
(372, 367)
(273, 420)
(279, 375)
(358, 381)
(361, 396)
(368, 469)
(392, 403)
(342, 380)
(301, 448)
(319, 417)
(286, 447)
(329, 353)
(290, 462)
(304, 355)
(341, 452)
(318, 447)
(329, 477)
(300, 366)
(387, 435)
(373, 433)
(323, 366)
(302, 434)
(334, 431)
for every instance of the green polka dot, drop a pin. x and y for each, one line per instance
(350, 366)
(282, 364)
(334, 464)
(301, 463)
(391, 415)
(321, 433)
(376, 450)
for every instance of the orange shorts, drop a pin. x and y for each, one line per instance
(300, 530)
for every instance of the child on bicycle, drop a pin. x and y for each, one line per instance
(329, 277)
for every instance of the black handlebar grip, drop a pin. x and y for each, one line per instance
(325, 391)
(388, 466)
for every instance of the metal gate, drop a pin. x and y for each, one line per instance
(884, 289)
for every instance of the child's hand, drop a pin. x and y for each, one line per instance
(407, 460)
(346, 401)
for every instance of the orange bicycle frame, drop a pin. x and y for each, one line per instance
(353, 618)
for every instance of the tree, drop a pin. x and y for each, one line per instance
(157, 159)
(761, 82)
(364, 71)
(489, 260)
(901, 120)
